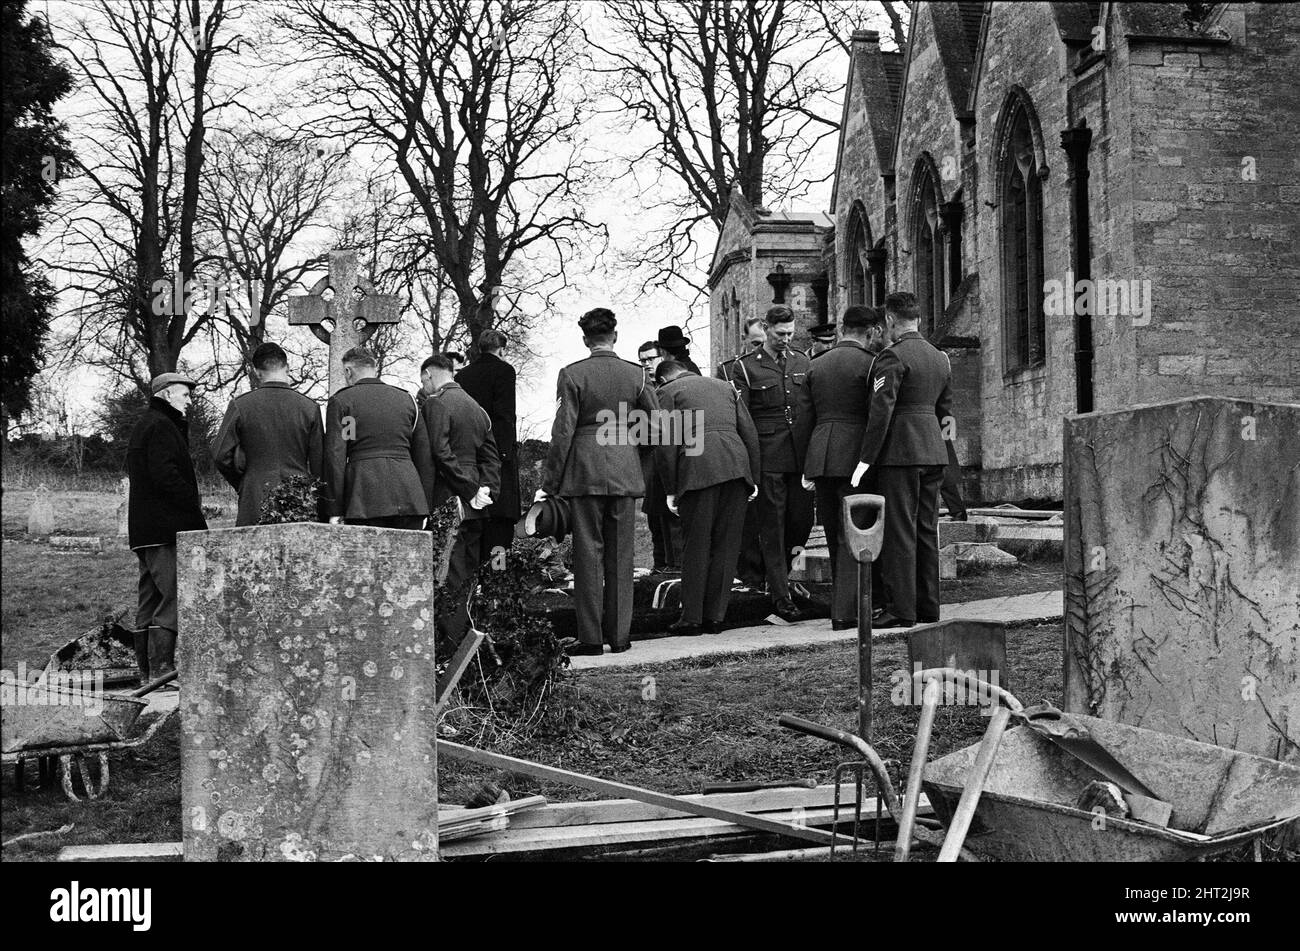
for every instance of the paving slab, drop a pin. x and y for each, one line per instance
(1040, 606)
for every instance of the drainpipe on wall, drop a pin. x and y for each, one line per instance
(1076, 143)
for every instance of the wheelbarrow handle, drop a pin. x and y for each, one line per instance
(153, 685)
(982, 687)
(864, 543)
(856, 744)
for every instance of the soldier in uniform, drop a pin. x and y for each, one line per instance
(840, 383)
(749, 568)
(911, 396)
(665, 526)
(596, 466)
(269, 434)
(708, 474)
(755, 337)
(377, 461)
(466, 465)
(823, 338)
(773, 383)
(490, 380)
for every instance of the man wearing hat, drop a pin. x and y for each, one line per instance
(490, 380)
(269, 434)
(596, 466)
(377, 460)
(163, 500)
(773, 382)
(823, 338)
(709, 474)
(674, 345)
(665, 526)
(840, 382)
(911, 396)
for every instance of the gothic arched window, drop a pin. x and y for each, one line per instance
(928, 252)
(1020, 207)
(856, 267)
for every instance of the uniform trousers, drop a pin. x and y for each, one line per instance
(951, 488)
(713, 518)
(467, 556)
(785, 518)
(604, 529)
(910, 551)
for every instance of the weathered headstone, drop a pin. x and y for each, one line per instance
(343, 311)
(40, 518)
(124, 508)
(306, 654)
(1182, 569)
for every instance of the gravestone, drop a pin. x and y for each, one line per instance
(306, 654)
(40, 518)
(124, 508)
(343, 311)
(1182, 571)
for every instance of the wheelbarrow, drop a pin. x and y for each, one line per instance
(1029, 810)
(69, 723)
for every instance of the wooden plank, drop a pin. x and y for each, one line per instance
(460, 661)
(600, 811)
(511, 764)
(607, 834)
(465, 816)
(122, 852)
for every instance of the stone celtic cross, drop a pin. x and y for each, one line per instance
(343, 311)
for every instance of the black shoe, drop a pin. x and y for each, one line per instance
(579, 649)
(888, 620)
(927, 620)
(787, 612)
(684, 629)
(710, 627)
(619, 648)
(958, 518)
(799, 594)
(843, 625)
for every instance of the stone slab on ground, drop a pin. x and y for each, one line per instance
(306, 659)
(1040, 606)
(1183, 571)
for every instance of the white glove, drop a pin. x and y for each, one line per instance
(336, 519)
(672, 503)
(482, 499)
(754, 494)
(858, 473)
(539, 495)
(808, 484)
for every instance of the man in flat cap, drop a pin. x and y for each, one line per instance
(164, 499)
(377, 460)
(269, 434)
(594, 461)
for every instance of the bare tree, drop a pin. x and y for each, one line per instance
(146, 66)
(735, 93)
(478, 105)
(261, 192)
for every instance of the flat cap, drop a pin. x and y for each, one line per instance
(821, 331)
(164, 380)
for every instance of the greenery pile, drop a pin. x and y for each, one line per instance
(295, 499)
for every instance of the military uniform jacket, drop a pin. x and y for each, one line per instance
(840, 383)
(911, 395)
(267, 435)
(779, 405)
(465, 455)
(386, 468)
(591, 394)
(491, 381)
(723, 442)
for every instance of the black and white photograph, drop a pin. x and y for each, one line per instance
(805, 434)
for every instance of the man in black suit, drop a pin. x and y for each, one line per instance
(675, 345)
(268, 434)
(465, 464)
(594, 462)
(840, 382)
(665, 526)
(490, 380)
(911, 396)
(377, 460)
(708, 474)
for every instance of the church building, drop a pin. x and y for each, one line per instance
(1096, 204)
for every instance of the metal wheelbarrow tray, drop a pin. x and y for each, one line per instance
(55, 715)
(1221, 798)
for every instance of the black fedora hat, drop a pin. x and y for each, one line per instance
(548, 518)
(671, 337)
